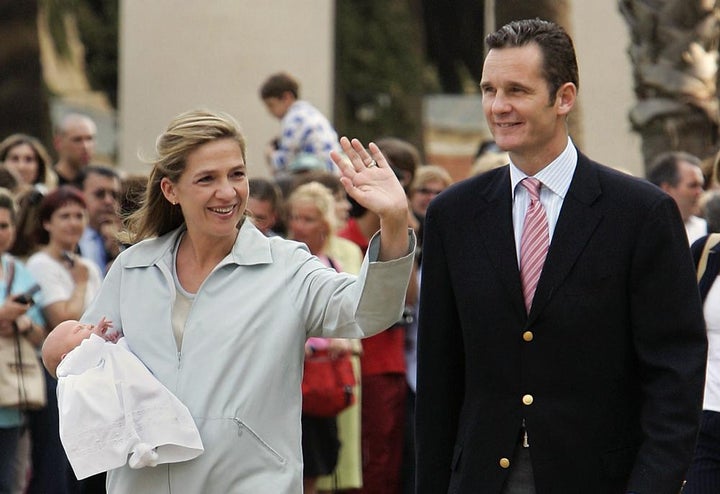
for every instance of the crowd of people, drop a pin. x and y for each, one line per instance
(62, 225)
(59, 231)
(560, 346)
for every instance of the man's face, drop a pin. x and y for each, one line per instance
(101, 197)
(76, 144)
(688, 190)
(263, 215)
(522, 117)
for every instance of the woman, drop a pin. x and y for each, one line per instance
(30, 325)
(703, 477)
(26, 156)
(68, 282)
(429, 181)
(312, 220)
(220, 313)
(347, 253)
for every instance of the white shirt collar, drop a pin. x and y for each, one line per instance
(556, 176)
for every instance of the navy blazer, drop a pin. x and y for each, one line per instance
(607, 370)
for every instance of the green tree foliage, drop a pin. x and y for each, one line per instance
(380, 71)
(98, 21)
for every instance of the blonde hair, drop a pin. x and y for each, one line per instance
(185, 133)
(320, 197)
(430, 173)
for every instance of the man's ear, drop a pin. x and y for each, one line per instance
(565, 98)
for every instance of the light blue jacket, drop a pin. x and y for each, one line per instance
(240, 366)
(23, 280)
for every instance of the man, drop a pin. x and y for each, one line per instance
(264, 202)
(75, 145)
(101, 188)
(590, 379)
(680, 175)
(303, 128)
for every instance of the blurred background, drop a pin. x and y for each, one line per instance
(404, 68)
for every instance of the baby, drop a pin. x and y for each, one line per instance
(112, 410)
(68, 335)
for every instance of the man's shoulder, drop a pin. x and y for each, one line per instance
(616, 183)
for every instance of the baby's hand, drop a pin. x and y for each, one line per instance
(101, 330)
(113, 337)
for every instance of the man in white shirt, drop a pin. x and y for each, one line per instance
(680, 176)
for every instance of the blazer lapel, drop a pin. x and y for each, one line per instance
(576, 223)
(494, 222)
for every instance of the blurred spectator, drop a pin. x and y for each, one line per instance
(75, 145)
(30, 323)
(348, 257)
(345, 251)
(26, 241)
(68, 282)
(383, 384)
(403, 157)
(29, 159)
(680, 176)
(101, 188)
(712, 211)
(265, 202)
(311, 219)
(430, 181)
(304, 129)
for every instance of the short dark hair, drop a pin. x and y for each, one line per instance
(664, 167)
(264, 189)
(104, 171)
(559, 62)
(278, 84)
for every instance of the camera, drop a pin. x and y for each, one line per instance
(27, 296)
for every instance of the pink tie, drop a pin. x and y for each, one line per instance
(534, 241)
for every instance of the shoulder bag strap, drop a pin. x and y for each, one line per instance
(712, 240)
(9, 275)
(10, 278)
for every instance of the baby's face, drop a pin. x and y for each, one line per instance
(75, 332)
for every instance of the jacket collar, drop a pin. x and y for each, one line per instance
(251, 247)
